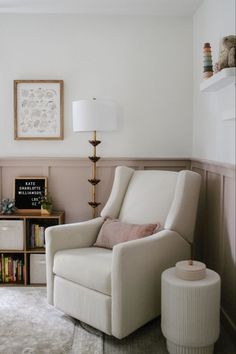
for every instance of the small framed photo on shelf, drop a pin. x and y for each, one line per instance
(38, 109)
(27, 193)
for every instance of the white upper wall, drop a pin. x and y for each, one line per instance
(213, 137)
(121, 7)
(142, 62)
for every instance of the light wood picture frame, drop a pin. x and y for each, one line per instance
(38, 109)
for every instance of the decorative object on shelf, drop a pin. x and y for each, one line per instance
(45, 201)
(227, 53)
(28, 191)
(92, 116)
(207, 61)
(38, 109)
(7, 206)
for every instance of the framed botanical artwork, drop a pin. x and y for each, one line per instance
(38, 109)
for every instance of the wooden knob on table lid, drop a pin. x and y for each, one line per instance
(190, 270)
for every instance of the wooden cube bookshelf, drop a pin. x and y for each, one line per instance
(16, 262)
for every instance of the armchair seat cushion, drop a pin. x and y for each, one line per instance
(89, 267)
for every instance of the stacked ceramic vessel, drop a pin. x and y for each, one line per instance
(207, 61)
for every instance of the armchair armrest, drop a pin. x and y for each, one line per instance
(136, 278)
(67, 236)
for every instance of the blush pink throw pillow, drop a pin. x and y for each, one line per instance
(114, 231)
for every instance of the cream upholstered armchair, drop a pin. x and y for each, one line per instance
(118, 291)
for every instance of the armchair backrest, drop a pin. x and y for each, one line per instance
(170, 198)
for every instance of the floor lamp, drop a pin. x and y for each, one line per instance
(94, 116)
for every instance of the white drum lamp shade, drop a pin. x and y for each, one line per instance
(94, 115)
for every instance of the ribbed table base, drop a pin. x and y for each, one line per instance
(190, 315)
(180, 349)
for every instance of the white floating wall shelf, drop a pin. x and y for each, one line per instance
(218, 81)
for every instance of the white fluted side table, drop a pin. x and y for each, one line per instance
(190, 317)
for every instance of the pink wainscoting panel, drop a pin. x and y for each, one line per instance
(215, 232)
(70, 188)
(228, 270)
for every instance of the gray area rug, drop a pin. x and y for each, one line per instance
(29, 325)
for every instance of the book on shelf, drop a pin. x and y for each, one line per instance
(37, 236)
(12, 269)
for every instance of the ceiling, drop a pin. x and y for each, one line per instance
(121, 7)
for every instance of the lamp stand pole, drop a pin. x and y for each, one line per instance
(94, 181)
